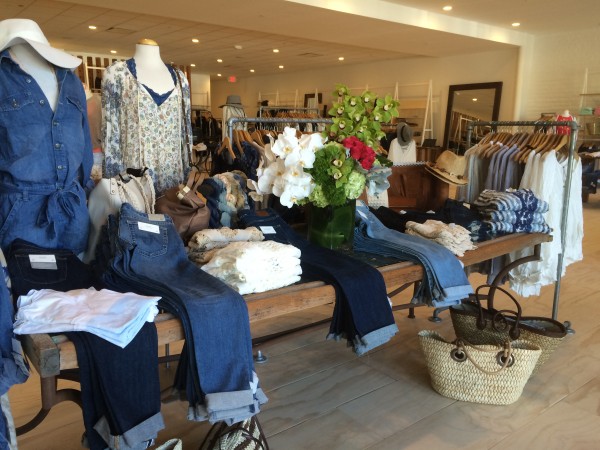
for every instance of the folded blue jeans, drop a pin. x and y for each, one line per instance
(150, 255)
(362, 312)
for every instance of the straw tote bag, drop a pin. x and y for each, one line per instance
(245, 435)
(489, 374)
(480, 325)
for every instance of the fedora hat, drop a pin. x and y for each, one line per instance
(449, 167)
(19, 31)
(233, 100)
(404, 133)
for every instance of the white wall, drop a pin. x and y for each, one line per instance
(557, 66)
(475, 68)
(200, 89)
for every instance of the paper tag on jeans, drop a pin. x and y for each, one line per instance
(149, 227)
(268, 230)
(47, 262)
(156, 217)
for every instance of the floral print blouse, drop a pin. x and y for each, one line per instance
(138, 132)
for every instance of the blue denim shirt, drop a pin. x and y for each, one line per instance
(45, 160)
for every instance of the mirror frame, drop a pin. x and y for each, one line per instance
(496, 85)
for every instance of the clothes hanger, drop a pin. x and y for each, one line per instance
(226, 144)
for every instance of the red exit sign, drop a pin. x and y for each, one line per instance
(232, 78)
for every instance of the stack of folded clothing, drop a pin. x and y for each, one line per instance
(116, 317)
(513, 211)
(455, 238)
(204, 243)
(256, 266)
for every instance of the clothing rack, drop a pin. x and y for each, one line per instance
(565, 207)
(285, 108)
(233, 120)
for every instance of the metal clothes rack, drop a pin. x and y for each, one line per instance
(233, 120)
(567, 191)
(285, 108)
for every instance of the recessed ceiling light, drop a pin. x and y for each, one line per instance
(341, 58)
(516, 24)
(252, 70)
(275, 50)
(195, 41)
(447, 8)
(113, 51)
(238, 47)
(218, 74)
(219, 60)
(192, 65)
(281, 67)
(92, 27)
(474, 99)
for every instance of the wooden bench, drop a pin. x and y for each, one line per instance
(54, 357)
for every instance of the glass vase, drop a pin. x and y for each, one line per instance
(332, 226)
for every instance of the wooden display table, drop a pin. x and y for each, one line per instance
(54, 356)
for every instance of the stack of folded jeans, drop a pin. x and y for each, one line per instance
(216, 368)
(444, 282)
(362, 313)
(120, 389)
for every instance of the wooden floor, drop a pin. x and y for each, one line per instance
(321, 396)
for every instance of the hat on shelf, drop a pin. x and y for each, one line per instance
(19, 31)
(449, 167)
(233, 100)
(404, 133)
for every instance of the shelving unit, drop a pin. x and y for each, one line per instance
(589, 123)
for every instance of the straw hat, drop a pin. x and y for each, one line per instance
(449, 167)
(233, 100)
(404, 133)
(19, 31)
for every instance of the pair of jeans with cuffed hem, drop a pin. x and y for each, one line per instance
(149, 256)
(444, 283)
(362, 313)
(106, 370)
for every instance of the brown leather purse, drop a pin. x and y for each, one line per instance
(186, 206)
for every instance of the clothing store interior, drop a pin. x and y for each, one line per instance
(289, 224)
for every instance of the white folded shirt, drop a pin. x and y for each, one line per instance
(114, 316)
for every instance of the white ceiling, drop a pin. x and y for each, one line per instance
(307, 36)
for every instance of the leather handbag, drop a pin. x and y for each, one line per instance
(186, 207)
(481, 325)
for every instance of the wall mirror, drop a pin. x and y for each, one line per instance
(470, 103)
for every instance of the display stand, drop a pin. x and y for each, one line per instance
(565, 207)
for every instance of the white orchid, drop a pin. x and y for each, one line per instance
(286, 143)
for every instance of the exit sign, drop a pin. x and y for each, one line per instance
(232, 78)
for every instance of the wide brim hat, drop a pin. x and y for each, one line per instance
(233, 100)
(19, 31)
(449, 167)
(404, 133)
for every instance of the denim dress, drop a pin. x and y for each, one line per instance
(45, 160)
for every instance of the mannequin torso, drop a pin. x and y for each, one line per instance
(41, 70)
(151, 70)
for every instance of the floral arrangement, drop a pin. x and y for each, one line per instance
(334, 167)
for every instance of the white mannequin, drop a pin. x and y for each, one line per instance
(40, 69)
(151, 70)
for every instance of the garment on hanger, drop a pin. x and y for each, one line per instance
(402, 154)
(145, 130)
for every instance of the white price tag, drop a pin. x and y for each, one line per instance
(149, 227)
(268, 230)
(45, 262)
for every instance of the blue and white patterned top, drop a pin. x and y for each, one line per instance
(139, 132)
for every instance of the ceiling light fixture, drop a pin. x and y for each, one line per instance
(113, 51)
(238, 47)
(92, 27)
(341, 58)
(192, 65)
(447, 8)
(474, 99)
(516, 24)
(275, 50)
(218, 74)
(219, 60)
(252, 70)
(281, 67)
(195, 41)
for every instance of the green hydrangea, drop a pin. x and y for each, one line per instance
(355, 185)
